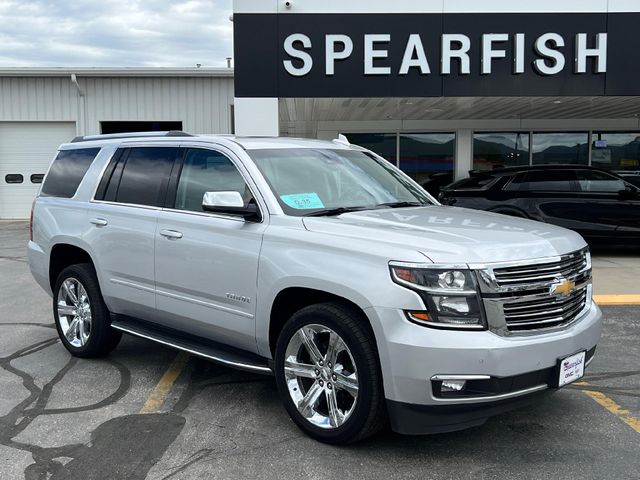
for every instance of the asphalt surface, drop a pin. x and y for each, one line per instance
(67, 418)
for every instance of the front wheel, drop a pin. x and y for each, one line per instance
(328, 374)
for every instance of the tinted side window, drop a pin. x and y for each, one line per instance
(545, 181)
(67, 171)
(145, 175)
(207, 171)
(475, 182)
(594, 181)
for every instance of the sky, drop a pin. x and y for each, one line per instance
(115, 33)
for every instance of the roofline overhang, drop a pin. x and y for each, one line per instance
(115, 72)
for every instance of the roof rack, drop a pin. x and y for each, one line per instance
(111, 136)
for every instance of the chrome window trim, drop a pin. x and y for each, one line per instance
(134, 205)
(220, 216)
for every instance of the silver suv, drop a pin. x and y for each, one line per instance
(319, 263)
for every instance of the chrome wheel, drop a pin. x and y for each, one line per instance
(321, 376)
(74, 312)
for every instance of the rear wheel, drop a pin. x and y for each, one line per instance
(328, 374)
(81, 317)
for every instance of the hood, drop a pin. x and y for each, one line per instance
(452, 234)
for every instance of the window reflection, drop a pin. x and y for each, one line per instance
(428, 158)
(502, 149)
(560, 148)
(384, 144)
(616, 151)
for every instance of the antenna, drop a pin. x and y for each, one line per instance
(342, 140)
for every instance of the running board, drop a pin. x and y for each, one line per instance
(228, 356)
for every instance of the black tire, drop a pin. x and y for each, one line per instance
(102, 338)
(369, 414)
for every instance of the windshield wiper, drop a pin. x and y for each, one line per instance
(400, 204)
(328, 212)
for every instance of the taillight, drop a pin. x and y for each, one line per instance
(33, 205)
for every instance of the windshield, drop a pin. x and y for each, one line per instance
(307, 181)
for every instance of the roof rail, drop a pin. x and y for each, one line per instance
(111, 136)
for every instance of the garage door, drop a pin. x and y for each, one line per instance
(26, 149)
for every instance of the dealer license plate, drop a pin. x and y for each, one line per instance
(571, 368)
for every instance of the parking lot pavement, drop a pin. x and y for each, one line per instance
(67, 418)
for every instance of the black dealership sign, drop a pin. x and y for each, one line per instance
(430, 55)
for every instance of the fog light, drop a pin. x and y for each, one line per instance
(452, 386)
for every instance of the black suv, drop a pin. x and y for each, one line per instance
(599, 205)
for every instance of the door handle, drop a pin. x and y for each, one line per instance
(171, 234)
(99, 222)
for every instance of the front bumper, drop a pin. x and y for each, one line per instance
(411, 419)
(410, 355)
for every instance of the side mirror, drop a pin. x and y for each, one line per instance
(230, 203)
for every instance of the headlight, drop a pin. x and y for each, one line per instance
(450, 295)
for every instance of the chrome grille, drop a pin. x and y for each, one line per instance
(544, 312)
(527, 275)
(526, 297)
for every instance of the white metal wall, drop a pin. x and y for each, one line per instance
(39, 112)
(37, 99)
(201, 103)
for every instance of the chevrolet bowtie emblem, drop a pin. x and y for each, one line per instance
(562, 288)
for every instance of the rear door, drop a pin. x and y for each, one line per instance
(207, 264)
(123, 219)
(610, 201)
(552, 196)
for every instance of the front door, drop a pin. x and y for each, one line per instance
(207, 264)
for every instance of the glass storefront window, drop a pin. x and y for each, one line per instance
(501, 149)
(384, 144)
(428, 158)
(560, 148)
(616, 151)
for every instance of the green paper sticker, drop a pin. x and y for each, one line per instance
(303, 201)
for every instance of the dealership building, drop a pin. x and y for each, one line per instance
(436, 87)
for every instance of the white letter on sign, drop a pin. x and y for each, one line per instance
(582, 52)
(488, 53)
(330, 50)
(461, 53)
(307, 61)
(414, 46)
(370, 54)
(543, 49)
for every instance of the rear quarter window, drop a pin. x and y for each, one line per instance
(67, 171)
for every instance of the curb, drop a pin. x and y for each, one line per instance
(617, 299)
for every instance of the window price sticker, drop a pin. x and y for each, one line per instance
(303, 201)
